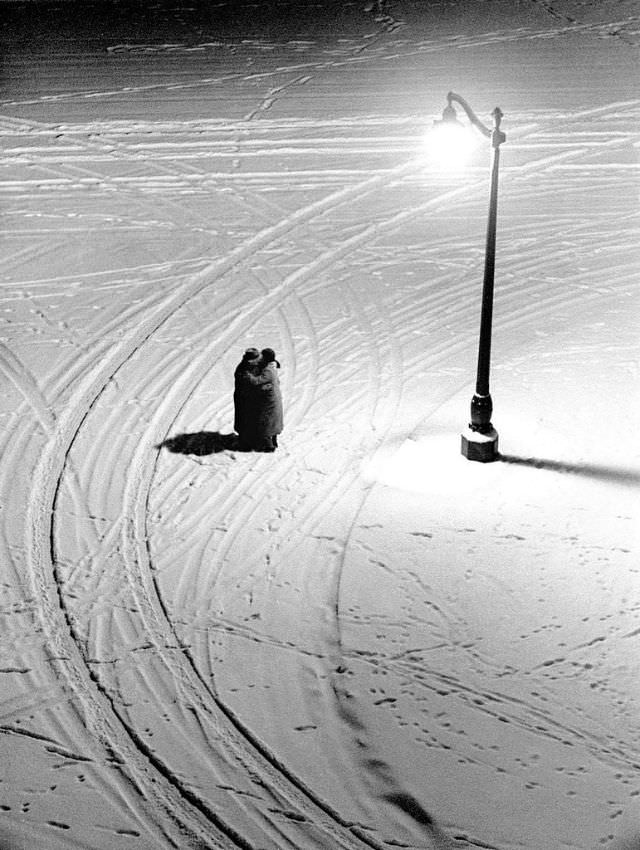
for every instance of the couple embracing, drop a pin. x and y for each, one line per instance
(257, 401)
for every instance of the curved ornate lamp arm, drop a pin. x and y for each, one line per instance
(497, 136)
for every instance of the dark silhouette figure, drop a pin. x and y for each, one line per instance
(243, 419)
(270, 413)
(257, 401)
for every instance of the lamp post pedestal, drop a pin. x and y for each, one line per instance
(480, 438)
(476, 445)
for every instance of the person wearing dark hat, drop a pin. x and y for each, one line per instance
(243, 405)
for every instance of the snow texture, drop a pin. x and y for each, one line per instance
(362, 640)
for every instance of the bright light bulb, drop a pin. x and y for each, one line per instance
(449, 144)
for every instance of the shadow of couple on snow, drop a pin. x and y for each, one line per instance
(213, 442)
(202, 443)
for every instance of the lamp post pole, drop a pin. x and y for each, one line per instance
(480, 439)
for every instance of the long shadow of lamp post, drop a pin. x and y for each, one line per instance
(480, 438)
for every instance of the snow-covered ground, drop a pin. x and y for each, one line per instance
(363, 640)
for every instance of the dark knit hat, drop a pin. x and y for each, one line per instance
(251, 354)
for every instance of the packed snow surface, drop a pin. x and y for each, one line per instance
(363, 640)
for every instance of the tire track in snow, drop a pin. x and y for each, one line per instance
(512, 322)
(332, 252)
(315, 67)
(406, 49)
(271, 96)
(243, 515)
(26, 384)
(51, 465)
(122, 781)
(197, 369)
(232, 503)
(112, 151)
(505, 708)
(100, 724)
(442, 355)
(142, 534)
(613, 30)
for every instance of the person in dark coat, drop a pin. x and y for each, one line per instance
(270, 413)
(257, 401)
(244, 413)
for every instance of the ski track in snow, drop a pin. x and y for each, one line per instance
(352, 53)
(131, 674)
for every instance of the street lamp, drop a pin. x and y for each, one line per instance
(480, 439)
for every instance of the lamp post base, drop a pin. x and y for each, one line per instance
(478, 446)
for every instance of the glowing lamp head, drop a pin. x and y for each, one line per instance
(449, 143)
